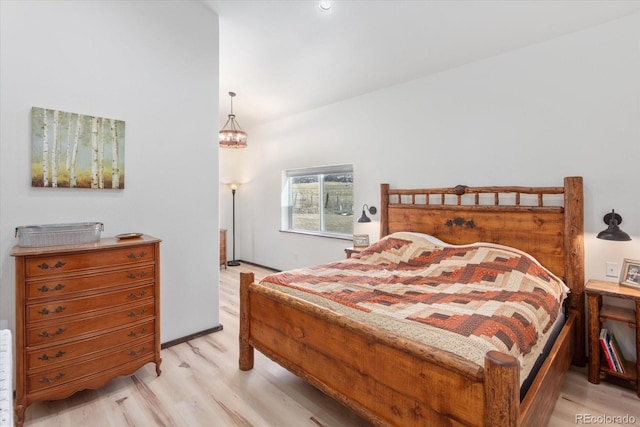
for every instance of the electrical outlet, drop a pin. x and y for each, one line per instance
(612, 269)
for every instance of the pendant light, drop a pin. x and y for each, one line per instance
(231, 136)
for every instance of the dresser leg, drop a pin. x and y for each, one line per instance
(19, 412)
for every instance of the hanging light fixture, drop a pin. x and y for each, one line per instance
(231, 136)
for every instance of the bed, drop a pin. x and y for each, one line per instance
(392, 379)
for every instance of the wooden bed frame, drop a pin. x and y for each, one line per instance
(390, 380)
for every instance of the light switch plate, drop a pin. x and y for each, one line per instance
(612, 269)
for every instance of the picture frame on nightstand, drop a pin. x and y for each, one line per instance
(360, 240)
(630, 273)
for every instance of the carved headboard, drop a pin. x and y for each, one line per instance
(545, 222)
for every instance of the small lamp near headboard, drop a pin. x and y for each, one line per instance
(613, 231)
(372, 210)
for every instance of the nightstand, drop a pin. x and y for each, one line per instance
(350, 251)
(223, 248)
(598, 314)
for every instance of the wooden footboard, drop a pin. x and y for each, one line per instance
(387, 379)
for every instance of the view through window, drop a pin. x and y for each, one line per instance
(319, 201)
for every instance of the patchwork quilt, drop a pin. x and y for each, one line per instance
(464, 299)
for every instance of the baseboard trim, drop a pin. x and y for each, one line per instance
(190, 337)
(275, 270)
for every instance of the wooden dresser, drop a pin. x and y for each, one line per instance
(223, 248)
(84, 315)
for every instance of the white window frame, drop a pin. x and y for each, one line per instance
(287, 202)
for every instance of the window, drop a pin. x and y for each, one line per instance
(319, 201)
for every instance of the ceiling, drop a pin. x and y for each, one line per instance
(286, 57)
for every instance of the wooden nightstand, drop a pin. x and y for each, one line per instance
(223, 248)
(350, 251)
(598, 314)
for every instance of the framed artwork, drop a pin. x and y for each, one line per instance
(360, 240)
(630, 273)
(71, 150)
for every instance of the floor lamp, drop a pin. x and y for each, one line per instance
(233, 186)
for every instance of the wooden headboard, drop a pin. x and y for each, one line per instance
(546, 222)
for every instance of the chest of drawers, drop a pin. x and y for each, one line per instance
(84, 315)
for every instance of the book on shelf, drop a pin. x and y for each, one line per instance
(606, 349)
(612, 352)
(617, 352)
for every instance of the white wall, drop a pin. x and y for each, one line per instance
(153, 64)
(569, 106)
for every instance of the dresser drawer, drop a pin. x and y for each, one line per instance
(83, 305)
(65, 286)
(105, 361)
(56, 264)
(72, 328)
(64, 353)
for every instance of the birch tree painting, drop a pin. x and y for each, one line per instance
(76, 151)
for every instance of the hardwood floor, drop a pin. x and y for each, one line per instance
(201, 385)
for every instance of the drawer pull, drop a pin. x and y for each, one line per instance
(57, 287)
(45, 266)
(134, 256)
(141, 294)
(136, 353)
(135, 334)
(135, 276)
(59, 354)
(45, 311)
(46, 334)
(140, 313)
(45, 380)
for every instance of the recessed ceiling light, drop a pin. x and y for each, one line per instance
(325, 6)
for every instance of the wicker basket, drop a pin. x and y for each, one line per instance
(58, 234)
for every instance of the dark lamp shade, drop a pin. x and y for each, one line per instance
(364, 217)
(372, 210)
(613, 231)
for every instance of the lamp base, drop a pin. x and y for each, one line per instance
(233, 263)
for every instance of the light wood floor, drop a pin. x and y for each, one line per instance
(201, 385)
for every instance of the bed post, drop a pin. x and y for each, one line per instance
(246, 350)
(384, 210)
(501, 390)
(574, 259)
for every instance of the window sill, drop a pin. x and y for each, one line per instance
(319, 234)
